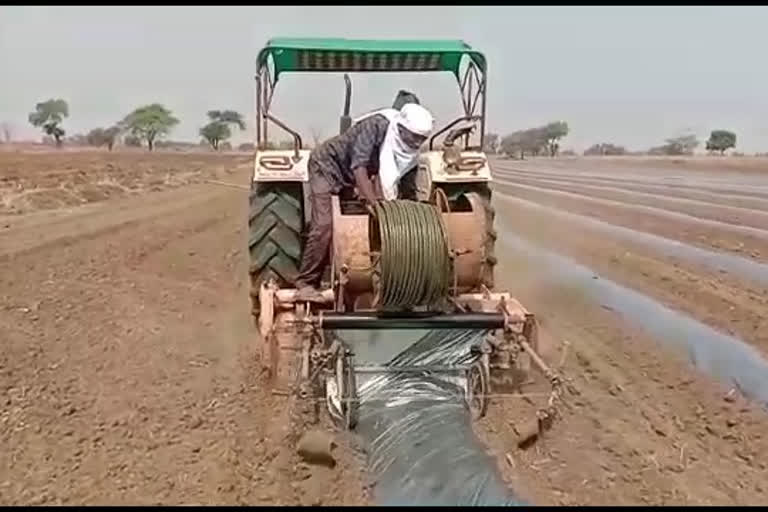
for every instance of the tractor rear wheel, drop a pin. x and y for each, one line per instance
(483, 196)
(275, 224)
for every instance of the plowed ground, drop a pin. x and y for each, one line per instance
(129, 367)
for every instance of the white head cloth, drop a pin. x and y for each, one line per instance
(395, 156)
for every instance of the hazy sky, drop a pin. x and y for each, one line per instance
(626, 75)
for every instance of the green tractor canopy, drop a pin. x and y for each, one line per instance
(369, 56)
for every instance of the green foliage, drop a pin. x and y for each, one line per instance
(228, 117)
(149, 123)
(721, 140)
(605, 149)
(218, 128)
(49, 115)
(215, 132)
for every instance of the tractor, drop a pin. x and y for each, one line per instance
(300, 349)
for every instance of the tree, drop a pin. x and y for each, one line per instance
(49, 115)
(214, 133)
(149, 123)
(511, 145)
(553, 132)
(683, 145)
(132, 141)
(534, 140)
(605, 149)
(218, 128)
(103, 137)
(77, 139)
(491, 143)
(246, 146)
(110, 136)
(524, 141)
(721, 140)
(6, 132)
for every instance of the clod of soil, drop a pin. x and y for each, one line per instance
(316, 447)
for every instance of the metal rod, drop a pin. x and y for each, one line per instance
(463, 87)
(258, 109)
(265, 103)
(483, 112)
(410, 369)
(451, 125)
(373, 321)
(537, 359)
(297, 143)
(347, 93)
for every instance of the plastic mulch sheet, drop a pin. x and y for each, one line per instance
(421, 448)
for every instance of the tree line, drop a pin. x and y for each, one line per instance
(719, 141)
(534, 141)
(545, 140)
(150, 124)
(542, 140)
(146, 125)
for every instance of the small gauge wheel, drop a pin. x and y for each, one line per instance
(477, 389)
(341, 394)
(350, 406)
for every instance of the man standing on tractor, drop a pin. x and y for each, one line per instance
(384, 143)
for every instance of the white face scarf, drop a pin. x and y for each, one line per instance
(395, 156)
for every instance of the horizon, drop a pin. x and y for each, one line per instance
(594, 67)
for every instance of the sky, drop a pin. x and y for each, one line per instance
(625, 75)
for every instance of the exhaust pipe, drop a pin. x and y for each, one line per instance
(346, 121)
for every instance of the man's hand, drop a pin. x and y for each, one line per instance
(376, 184)
(364, 185)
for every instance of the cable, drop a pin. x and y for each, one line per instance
(415, 262)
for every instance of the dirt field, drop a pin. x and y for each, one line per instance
(61, 180)
(646, 428)
(129, 367)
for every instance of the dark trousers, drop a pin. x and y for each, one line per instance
(318, 245)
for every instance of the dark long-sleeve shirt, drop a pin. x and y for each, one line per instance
(359, 146)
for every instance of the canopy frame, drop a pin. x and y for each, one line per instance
(283, 55)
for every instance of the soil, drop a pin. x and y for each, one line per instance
(129, 366)
(130, 363)
(644, 427)
(59, 180)
(696, 228)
